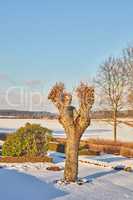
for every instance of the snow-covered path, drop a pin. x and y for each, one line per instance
(33, 182)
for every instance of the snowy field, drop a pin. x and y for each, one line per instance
(33, 182)
(98, 129)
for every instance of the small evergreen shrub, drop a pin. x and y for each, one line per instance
(30, 140)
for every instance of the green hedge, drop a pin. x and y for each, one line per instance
(24, 159)
(30, 140)
(88, 152)
(56, 146)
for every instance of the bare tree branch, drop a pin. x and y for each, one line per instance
(112, 82)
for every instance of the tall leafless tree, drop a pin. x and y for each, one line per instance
(128, 59)
(111, 81)
(75, 122)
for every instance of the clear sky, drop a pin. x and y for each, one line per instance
(61, 40)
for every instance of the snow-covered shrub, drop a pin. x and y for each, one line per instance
(30, 140)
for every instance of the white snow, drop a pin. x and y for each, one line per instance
(29, 181)
(98, 128)
(1, 142)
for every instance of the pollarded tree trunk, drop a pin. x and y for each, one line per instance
(75, 122)
(71, 165)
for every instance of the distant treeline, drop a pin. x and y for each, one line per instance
(48, 115)
(27, 114)
(109, 114)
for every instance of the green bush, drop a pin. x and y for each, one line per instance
(30, 140)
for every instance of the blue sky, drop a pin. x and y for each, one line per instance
(58, 40)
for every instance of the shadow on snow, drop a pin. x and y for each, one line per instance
(14, 186)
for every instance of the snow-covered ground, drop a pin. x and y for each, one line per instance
(29, 181)
(1, 142)
(98, 128)
(33, 182)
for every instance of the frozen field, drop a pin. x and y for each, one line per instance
(98, 129)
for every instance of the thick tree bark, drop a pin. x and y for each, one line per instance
(71, 164)
(74, 122)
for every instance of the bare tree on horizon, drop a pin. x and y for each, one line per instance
(111, 81)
